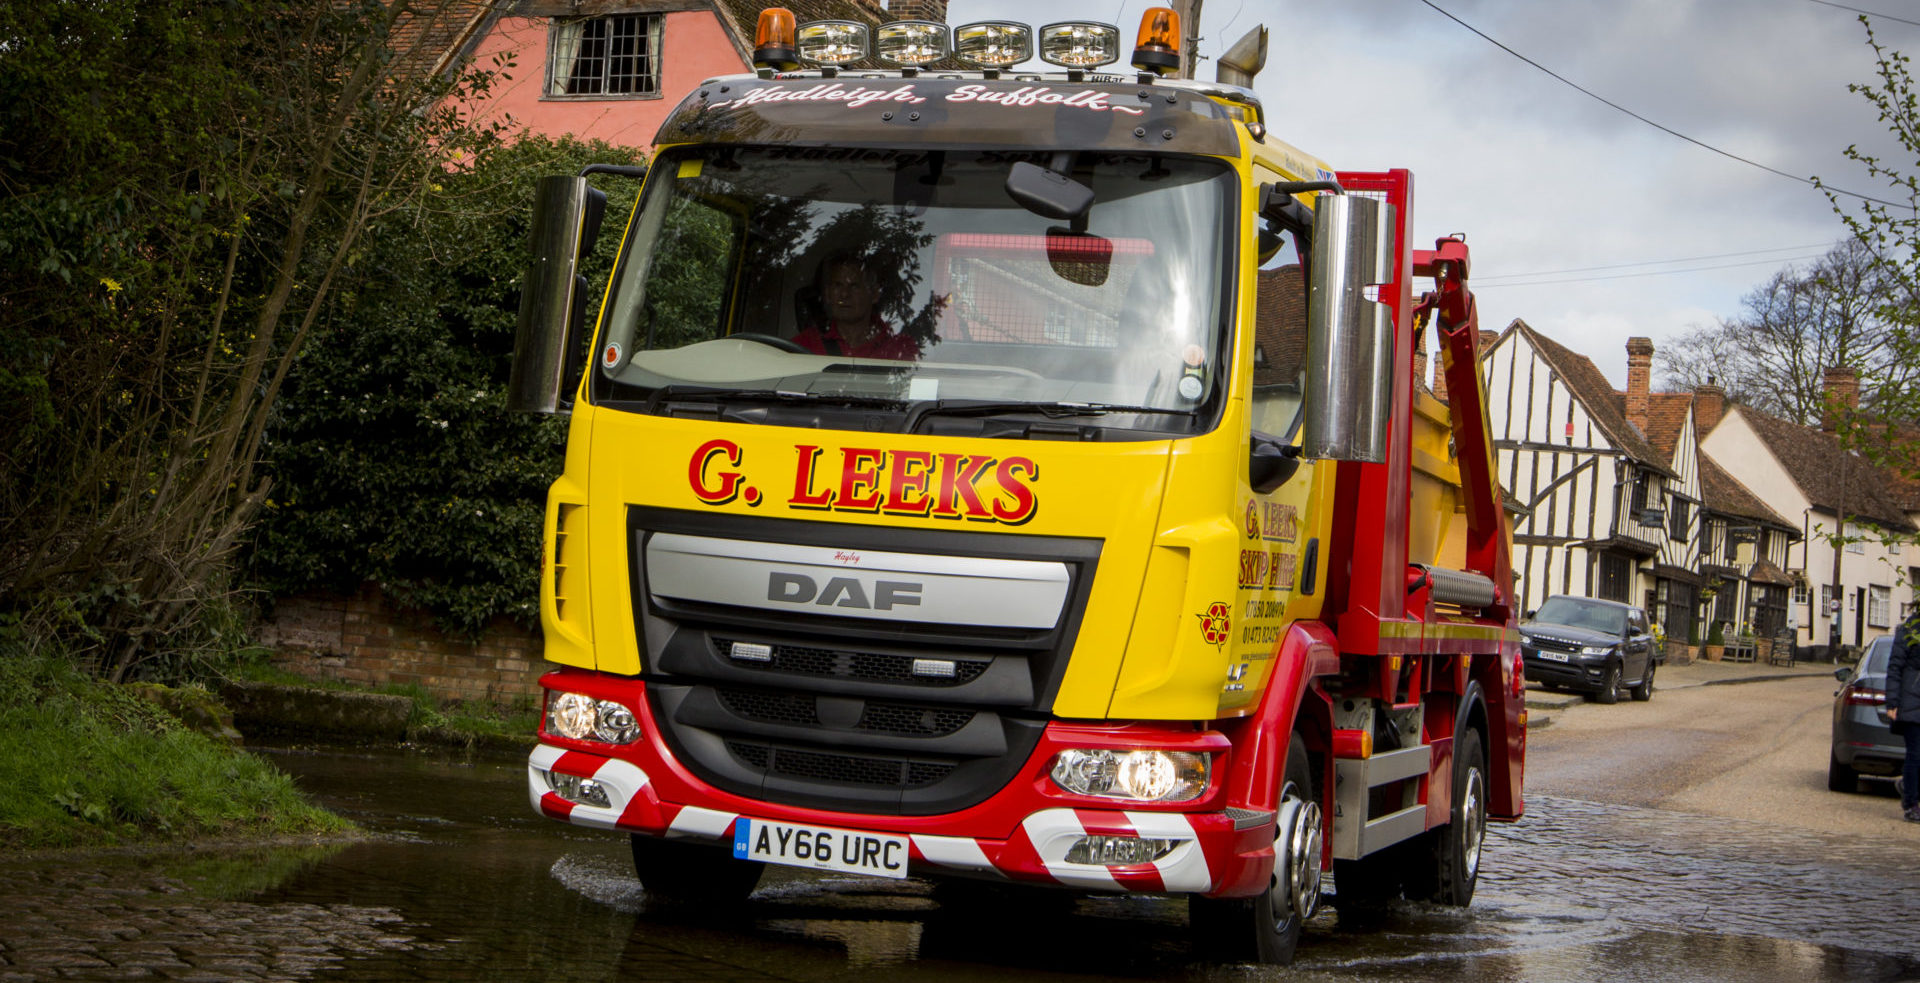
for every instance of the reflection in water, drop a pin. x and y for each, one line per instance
(462, 882)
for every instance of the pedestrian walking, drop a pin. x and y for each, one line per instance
(1903, 709)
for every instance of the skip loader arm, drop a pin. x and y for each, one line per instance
(1452, 309)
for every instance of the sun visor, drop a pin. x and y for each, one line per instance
(853, 111)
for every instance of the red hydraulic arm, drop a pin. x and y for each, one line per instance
(1451, 305)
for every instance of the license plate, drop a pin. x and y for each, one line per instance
(1554, 656)
(820, 847)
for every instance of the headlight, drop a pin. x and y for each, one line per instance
(1148, 776)
(1596, 650)
(580, 717)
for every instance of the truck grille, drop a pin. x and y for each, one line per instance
(848, 713)
(847, 769)
(847, 664)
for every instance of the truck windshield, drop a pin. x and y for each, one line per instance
(773, 282)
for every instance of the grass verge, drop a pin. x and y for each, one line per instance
(467, 723)
(84, 763)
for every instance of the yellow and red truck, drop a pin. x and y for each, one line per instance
(1021, 476)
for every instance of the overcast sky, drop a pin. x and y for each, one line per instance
(1545, 180)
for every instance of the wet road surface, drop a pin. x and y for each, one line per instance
(463, 882)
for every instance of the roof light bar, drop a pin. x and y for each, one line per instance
(1157, 48)
(773, 40)
(832, 42)
(993, 44)
(1079, 44)
(911, 43)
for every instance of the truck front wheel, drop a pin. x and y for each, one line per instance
(1452, 864)
(671, 870)
(1266, 927)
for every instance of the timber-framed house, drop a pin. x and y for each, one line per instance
(1602, 500)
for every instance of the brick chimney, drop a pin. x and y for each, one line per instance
(1639, 381)
(1420, 369)
(933, 10)
(1839, 397)
(1709, 405)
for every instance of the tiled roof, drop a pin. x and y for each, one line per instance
(1596, 394)
(1723, 493)
(1666, 417)
(429, 39)
(1764, 572)
(1832, 478)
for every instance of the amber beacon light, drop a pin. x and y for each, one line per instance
(773, 40)
(1157, 48)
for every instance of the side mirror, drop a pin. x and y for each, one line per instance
(1527, 617)
(1842, 673)
(1349, 385)
(1270, 463)
(565, 212)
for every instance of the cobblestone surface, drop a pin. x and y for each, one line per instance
(124, 921)
(1682, 872)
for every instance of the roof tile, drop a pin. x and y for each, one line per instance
(1596, 394)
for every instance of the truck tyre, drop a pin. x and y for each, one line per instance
(1609, 691)
(1841, 778)
(1266, 927)
(671, 870)
(1643, 690)
(1451, 867)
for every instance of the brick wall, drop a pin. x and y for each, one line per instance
(366, 640)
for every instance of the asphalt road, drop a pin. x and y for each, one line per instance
(1750, 750)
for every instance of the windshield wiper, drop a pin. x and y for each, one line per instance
(1054, 409)
(713, 395)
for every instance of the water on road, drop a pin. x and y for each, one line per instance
(462, 882)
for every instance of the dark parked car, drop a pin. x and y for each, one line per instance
(1590, 646)
(1863, 743)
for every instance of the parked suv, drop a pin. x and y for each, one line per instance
(1590, 646)
(1864, 745)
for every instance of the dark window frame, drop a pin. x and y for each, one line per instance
(617, 56)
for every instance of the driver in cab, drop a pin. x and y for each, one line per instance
(849, 291)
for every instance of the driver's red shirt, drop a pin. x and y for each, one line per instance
(882, 343)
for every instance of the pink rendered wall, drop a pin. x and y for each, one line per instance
(693, 48)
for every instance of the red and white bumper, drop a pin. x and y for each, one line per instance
(1210, 852)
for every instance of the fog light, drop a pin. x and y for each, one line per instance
(993, 44)
(832, 42)
(1118, 851)
(580, 717)
(577, 790)
(1080, 45)
(911, 43)
(1149, 776)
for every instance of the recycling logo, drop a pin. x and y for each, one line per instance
(1216, 625)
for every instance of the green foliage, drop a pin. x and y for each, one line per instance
(1717, 635)
(185, 183)
(88, 763)
(395, 458)
(1889, 232)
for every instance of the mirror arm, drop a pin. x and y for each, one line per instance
(1270, 463)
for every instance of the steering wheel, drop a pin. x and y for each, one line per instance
(772, 341)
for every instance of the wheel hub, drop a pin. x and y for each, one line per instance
(1296, 858)
(1473, 821)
